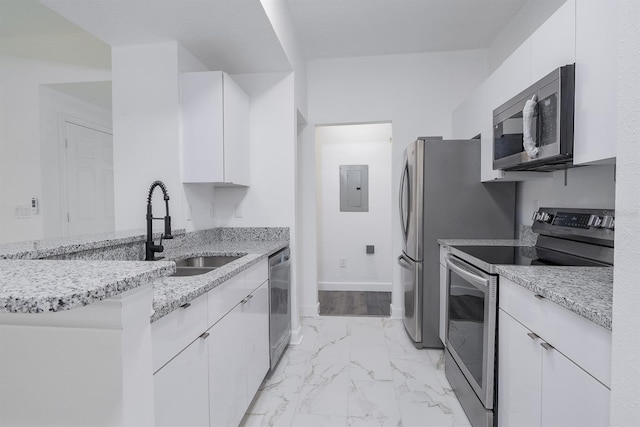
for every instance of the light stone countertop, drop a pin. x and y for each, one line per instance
(169, 293)
(38, 286)
(38, 249)
(587, 291)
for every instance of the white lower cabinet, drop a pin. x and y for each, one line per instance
(570, 396)
(538, 385)
(519, 374)
(181, 390)
(227, 369)
(238, 358)
(212, 380)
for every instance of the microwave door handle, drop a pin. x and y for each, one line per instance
(479, 281)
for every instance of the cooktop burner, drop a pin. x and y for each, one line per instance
(525, 255)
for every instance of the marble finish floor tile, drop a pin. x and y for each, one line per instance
(356, 371)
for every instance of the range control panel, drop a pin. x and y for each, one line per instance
(589, 223)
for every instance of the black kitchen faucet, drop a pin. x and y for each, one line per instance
(152, 248)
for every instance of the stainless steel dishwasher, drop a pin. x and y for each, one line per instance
(279, 304)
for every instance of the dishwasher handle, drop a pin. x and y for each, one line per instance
(280, 259)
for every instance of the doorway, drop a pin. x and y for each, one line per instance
(354, 244)
(88, 172)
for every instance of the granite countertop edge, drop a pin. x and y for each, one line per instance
(45, 286)
(170, 293)
(586, 291)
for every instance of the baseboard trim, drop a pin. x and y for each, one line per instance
(296, 336)
(309, 310)
(355, 286)
(397, 312)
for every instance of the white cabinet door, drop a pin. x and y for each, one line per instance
(181, 388)
(202, 127)
(519, 374)
(596, 81)
(570, 396)
(257, 326)
(236, 133)
(227, 373)
(215, 129)
(553, 44)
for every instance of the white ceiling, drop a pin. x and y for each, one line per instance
(343, 28)
(237, 36)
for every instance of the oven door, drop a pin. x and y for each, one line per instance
(471, 325)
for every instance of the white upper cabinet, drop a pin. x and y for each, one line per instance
(553, 44)
(215, 129)
(596, 76)
(583, 32)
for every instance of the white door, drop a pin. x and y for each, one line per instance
(90, 199)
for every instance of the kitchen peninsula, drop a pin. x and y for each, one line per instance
(76, 313)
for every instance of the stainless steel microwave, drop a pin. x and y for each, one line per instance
(537, 136)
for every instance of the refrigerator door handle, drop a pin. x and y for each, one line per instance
(402, 260)
(403, 181)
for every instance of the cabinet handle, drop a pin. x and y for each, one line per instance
(533, 336)
(546, 345)
(205, 335)
(186, 305)
(249, 297)
(244, 301)
(538, 296)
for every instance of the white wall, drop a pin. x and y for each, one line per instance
(270, 199)
(147, 134)
(20, 150)
(53, 106)
(625, 369)
(416, 93)
(146, 124)
(346, 234)
(586, 187)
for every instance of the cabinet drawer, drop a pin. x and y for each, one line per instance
(176, 330)
(256, 275)
(588, 345)
(224, 297)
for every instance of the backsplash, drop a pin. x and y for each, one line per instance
(130, 245)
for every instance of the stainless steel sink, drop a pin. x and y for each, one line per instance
(191, 271)
(207, 261)
(202, 264)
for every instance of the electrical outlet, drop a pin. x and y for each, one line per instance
(212, 210)
(343, 262)
(535, 205)
(238, 212)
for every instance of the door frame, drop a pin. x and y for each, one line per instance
(63, 119)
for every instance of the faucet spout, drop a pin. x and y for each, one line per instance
(152, 248)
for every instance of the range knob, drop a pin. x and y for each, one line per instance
(594, 221)
(608, 222)
(542, 217)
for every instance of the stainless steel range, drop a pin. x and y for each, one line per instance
(567, 237)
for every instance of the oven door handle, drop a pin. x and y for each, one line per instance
(454, 266)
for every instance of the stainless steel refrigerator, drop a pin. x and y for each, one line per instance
(441, 197)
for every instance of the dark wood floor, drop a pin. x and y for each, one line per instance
(352, 303)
